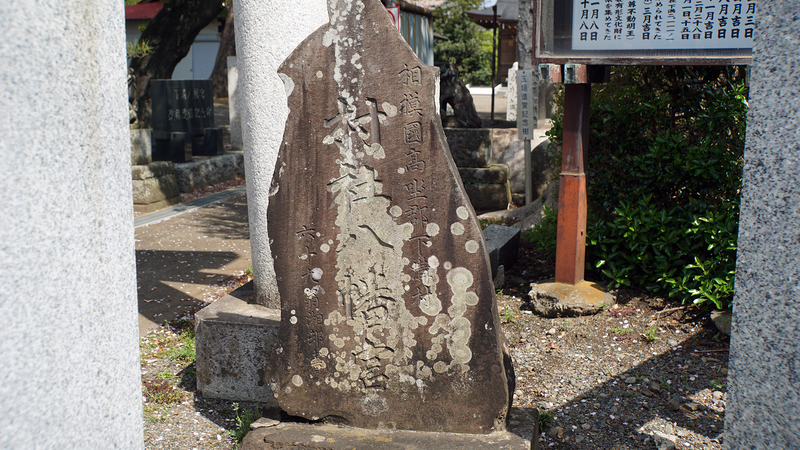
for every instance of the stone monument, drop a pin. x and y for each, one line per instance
(763, 381)
(388, 316)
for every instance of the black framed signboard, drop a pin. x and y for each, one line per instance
(633, 32)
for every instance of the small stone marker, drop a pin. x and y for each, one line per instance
(388, 314)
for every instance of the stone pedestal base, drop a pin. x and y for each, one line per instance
(487, 188)
(279, 435)
(154, 186)
(234, 339)
(551, 299)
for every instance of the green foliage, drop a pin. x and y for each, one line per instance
(544, 235)
(664, 180)
(466, 47)
(509, 315)
(545, 417)
(138, 49)
(650, 334)
(243, 422)
(180, 347)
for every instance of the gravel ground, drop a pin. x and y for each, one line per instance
(639, 375)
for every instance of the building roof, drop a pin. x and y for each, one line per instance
(507, 14)
(430, 4)
(145, 10)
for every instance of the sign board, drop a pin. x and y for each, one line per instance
(181, 106)
(394, 11)
(634, 32)
(526, 118)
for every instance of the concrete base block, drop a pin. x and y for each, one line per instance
(502, 243)
(329, 437)
(154, 186)
(209, 171)
(487, 188)
(234, 339)
(551, 299)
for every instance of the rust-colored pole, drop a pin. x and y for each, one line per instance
(571, 244)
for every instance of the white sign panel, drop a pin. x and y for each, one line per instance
(394, 11)
(526, 119)
(662, 24)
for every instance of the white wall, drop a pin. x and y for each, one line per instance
(263, 40)
(69, 354)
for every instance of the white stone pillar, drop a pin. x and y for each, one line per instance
(69, 353)
(764, 377)
(266, 33)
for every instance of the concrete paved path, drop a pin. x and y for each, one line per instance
(187, 255)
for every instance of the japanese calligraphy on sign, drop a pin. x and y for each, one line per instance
(662, 24)
(525, 104)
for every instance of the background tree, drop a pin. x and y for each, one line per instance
(469, 46)
(227, 47)
(171, 34)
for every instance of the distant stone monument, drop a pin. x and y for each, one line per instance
(388, 316)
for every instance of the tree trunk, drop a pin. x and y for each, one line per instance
(227, 47)
(171, 34)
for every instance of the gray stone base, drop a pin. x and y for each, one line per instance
(487, 188)
(209, 171)
(279, 435)
(502, 243)
(154, 186)
(551, 299)
(234, 339)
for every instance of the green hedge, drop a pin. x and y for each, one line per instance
(664, 180)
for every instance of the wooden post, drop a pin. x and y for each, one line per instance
(571, 243)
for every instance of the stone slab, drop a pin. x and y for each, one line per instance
(551, 299)
(388, 310)
(764, 400)
(329, 437)
(470, 147)
(233, 340)
(209, 171)
(502, 243)
(154, 186)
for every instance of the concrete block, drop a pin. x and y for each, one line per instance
(209, 171)
(487, 188)
(502, 244)
(154, 186)
(234, 339)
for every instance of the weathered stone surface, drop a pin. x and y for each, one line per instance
(154, 186)
(207, 172)
(388, 313)
(470, 147)
(487, 188)
(561, 299)
(141, 146)
(298, 436)
(509, 150)
(234, 339)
